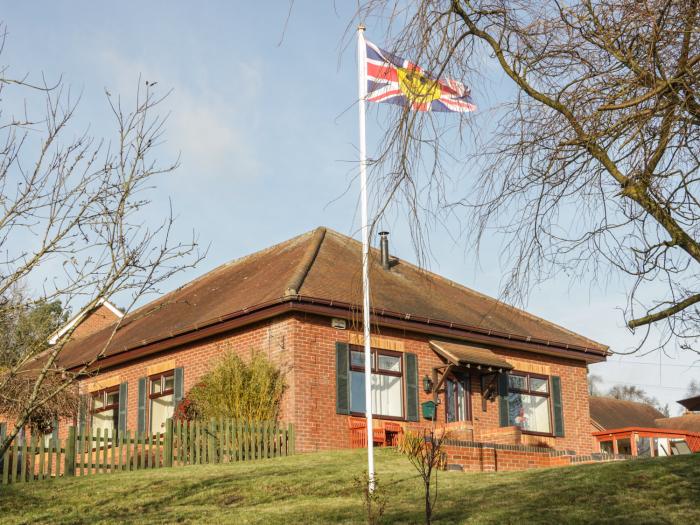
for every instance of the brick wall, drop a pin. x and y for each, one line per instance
(320, 428)
(270, 337)
(303, 345)
(100, 318)
(491, 457)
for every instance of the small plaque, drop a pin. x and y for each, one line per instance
(340, 324)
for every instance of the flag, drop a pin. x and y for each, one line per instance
(393, 80)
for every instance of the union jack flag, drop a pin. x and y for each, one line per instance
(393, 80)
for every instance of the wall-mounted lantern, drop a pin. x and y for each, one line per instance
(427, 384)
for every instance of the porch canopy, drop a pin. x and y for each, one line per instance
(468, 356)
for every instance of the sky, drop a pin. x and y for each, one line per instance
(263, 118)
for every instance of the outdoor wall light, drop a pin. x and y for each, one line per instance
(427, 384)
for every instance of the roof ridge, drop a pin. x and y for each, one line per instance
(307, 260)
(481, 295)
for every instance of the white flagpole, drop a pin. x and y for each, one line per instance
(362, 92)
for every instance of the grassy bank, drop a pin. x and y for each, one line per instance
(318, 488)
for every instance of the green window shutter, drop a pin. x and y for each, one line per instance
(54, 431)
(411, 386)
(557, 409)
(142, 406)
(179, 387)
(82, 412)
(3, 432)
(123, 399)
(342, 378)
(503, 399)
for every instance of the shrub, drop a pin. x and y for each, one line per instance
(236, 389)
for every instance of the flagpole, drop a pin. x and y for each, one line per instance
(362, 92)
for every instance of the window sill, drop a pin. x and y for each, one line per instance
(533, 433)
(374, 416)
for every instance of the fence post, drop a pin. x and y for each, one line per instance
(69, 466)
(212, 441)
(168, 442)
(292, 439)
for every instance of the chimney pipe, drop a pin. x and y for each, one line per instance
(384, 249)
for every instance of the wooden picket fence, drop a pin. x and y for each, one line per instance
(182, 443)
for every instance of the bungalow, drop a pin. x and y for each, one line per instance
(488, 371)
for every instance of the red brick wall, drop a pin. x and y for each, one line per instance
(98, 319)
(271, 337)
(304, 346)
(495, 459)
(319, 427)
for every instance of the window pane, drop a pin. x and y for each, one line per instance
(169, 382)
(103, 420)
(155, 386)
(539, 385)
(450, 401)
(624, 447)
(461, 402)
(643, 447)
(357, 392)
(113, 398)
(387, 395)
(606, 447)
(517, 382)
(391, 363)
(161, 410)
(98, 402)
(529, 412)
(357, 359)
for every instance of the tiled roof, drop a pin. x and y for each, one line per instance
(321, 264)
(689, 422)
(609, 413)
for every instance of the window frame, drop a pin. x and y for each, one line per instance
(160, 376)
(380, 371)
(105, 407)
(529, 392)
(466, 381)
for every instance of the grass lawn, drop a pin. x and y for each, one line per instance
(318, 488)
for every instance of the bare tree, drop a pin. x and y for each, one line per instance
(635, 393)
(594, 380)
(693, 388)
(75, 227)
(426, 452)
(591, 168)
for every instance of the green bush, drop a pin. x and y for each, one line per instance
(250, 391)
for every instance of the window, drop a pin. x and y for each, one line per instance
(105, 410)
(528, 402)
(457, 399)
(606, 447)
(387, 382)
(162, 388)
(643, 447)
(624, 447)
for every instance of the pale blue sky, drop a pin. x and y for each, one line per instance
(268, 135)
